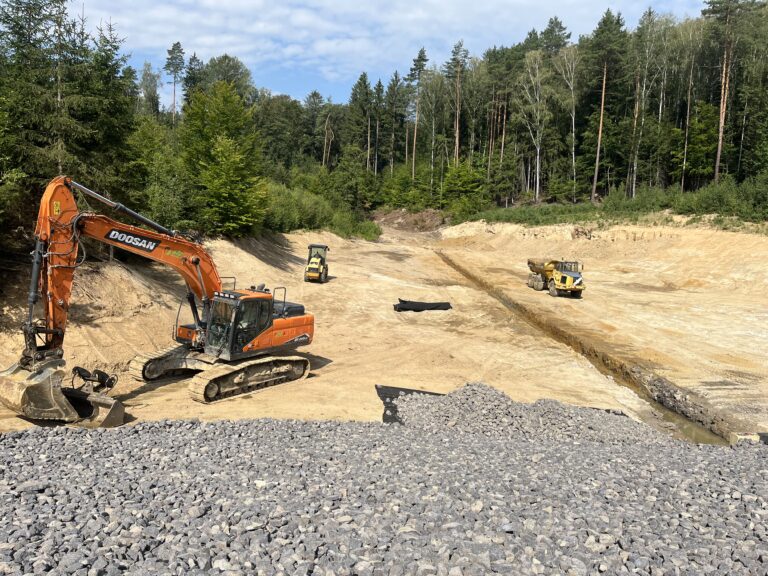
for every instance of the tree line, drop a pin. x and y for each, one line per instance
(673, 105)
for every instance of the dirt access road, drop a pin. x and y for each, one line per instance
(120, 309)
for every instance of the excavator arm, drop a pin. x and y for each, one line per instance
(32, 387)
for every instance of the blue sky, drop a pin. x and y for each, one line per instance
(295, 46)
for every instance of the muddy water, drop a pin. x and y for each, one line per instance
(672, 422)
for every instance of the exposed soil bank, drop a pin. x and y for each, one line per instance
(657, 388)
(666, 309)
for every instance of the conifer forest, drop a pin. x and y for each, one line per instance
(672, 114)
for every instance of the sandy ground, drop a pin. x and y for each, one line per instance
(689, 303)
(684, 301)
(119, 309)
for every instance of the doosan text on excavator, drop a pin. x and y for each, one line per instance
(238, 340)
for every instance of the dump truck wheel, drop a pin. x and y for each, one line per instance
(552, 290)
(576, 294)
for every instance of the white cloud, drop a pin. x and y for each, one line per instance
(338, 39)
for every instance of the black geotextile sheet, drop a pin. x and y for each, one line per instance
(412, 306)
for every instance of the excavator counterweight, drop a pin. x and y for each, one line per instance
(234, 344)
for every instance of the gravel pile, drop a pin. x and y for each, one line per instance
(477, 408)
(323, 498)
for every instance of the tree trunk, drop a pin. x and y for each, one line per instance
(415, 130)
(538, 174)
(457, 120)
(593, 197)
(376, 153)
(472, 142)
(635, 116)
(743, 129)
(744, 116)
(491, 137)
(432, 158)
(687, 124)
(573, 143)
(392, 154)
(723, 108)
(406, 143)
(326, 143)
(503, 135)
(637, 156)
(368, 147)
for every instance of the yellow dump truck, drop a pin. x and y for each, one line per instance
(560, 277)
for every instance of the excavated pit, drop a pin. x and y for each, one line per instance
(689, 416)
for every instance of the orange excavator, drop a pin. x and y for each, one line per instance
(235, 344)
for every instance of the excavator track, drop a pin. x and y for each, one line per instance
(148, 367)
(227, 380)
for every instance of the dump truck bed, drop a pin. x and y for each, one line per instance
(539, 265)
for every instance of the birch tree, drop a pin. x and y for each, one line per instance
(567, 63)
(534, 107)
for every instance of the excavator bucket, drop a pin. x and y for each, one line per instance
(39, 395)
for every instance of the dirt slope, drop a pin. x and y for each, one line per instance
(689, 302)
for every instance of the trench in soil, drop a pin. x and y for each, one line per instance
(623, 373)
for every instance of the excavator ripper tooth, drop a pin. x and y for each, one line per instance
(38, 395)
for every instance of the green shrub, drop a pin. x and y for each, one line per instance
(289, 210)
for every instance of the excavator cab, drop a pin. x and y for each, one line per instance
(244, 321)
(237, 319)
(317, 265)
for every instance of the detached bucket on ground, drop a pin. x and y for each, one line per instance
(38, 395)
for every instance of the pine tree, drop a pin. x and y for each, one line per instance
(194, 76)
(607, 60)
(414, 80)
(174, 65)
(313, 107)
(454, 70)
(111, 90)
(378, 112)
(394, 117)
(728, 17)
(360, 103)
(554, 37)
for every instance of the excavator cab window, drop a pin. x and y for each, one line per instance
(254, 316)
(219, 326)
